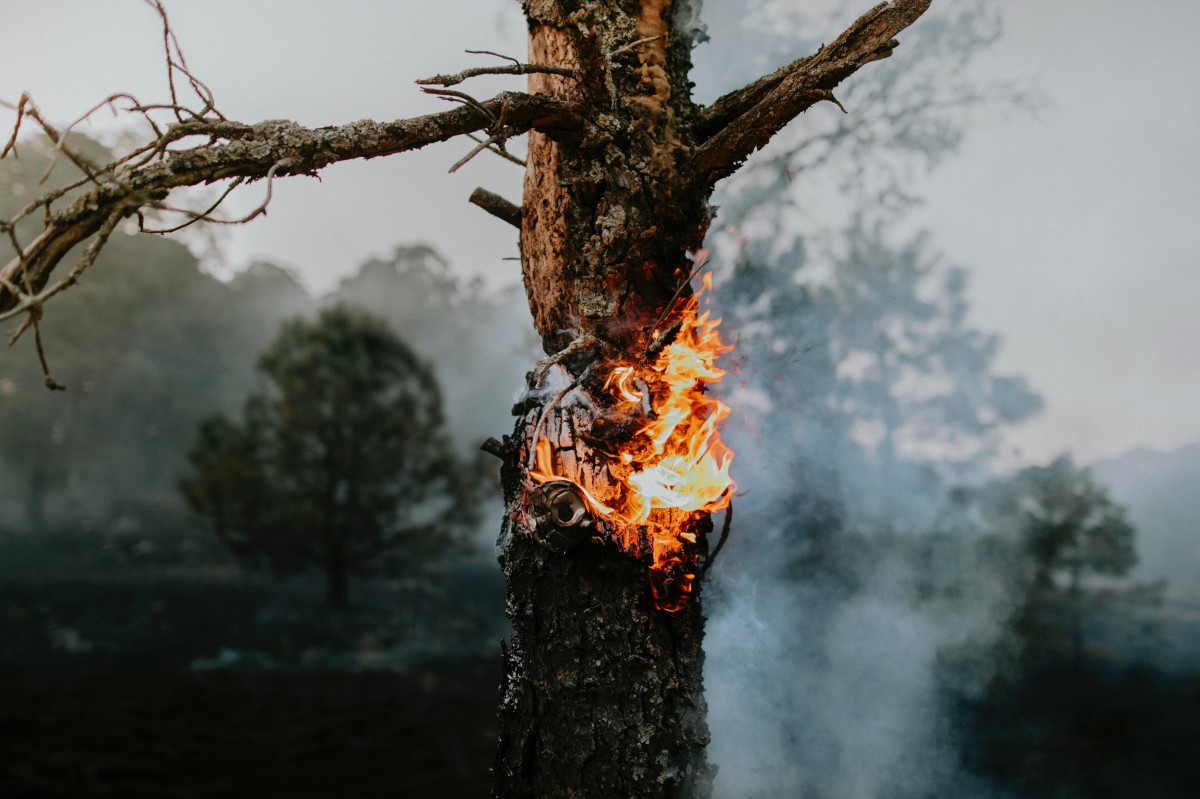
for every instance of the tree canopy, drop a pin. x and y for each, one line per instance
(342, 461)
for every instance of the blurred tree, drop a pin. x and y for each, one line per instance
(1071, 530)
(856, 341)
(343, 462)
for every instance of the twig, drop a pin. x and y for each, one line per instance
(517, 68)
(51, 383)
(500, 152)
(203, 215)
(497, 206)
(678, 290)
(627, 47)
(26, 303)
(712, 557)
(453, 95)
(20, 109)
(483, 145)
(663, 341)
(494, 446)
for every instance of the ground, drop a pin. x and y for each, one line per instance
(152, 675)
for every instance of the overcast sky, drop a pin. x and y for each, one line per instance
(1081, 228)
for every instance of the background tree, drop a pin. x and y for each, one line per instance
(336, 463)
(1071, 531)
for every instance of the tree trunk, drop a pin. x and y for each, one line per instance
(602, 691)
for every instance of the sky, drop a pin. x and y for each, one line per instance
(1079, 226)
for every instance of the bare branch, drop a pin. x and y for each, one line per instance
(253, 152)
(51, 383)
(502, 153)
(515, 68)
(712, 556)
(743, 121)
(20, 109)
(497, 206)
(25, 303)
(486, 144)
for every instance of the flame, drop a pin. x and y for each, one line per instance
(675, 466)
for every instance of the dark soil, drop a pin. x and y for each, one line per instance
(100, 694)
(81, 733)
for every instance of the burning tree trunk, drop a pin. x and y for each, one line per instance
(602, 693)
(615, 463)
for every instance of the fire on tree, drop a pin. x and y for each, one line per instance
(615, 464)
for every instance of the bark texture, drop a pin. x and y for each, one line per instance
(602, 695)
(603, 692)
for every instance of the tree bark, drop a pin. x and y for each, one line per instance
(602, 693)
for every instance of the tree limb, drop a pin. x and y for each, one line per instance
(744, 120)
(497, 206)
(252, 152)
(513, 69)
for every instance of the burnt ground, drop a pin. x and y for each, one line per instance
(170, 673)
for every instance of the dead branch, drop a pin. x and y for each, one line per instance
(505, 154)
(497, 206)
(744, 120)
(494, 446)
(515, 68)
(252, 152)
(712, 556)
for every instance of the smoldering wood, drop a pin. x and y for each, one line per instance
(589, 655)
(633, 192)
(494, 446)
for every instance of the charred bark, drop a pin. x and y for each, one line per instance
(602, 693)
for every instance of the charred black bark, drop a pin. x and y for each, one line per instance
(602, 693)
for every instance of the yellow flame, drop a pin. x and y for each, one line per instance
(674, 463)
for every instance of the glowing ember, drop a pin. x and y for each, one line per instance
(673, 467)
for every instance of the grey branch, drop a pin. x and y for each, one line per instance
(512, 69)
(497, 206)
(744, 120)
(252, 152)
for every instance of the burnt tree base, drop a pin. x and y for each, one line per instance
(602, 693)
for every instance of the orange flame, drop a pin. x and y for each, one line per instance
(675, 466)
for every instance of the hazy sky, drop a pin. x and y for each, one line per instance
(1080, 228)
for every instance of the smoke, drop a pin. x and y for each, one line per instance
(858, 604)
(821, 693)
